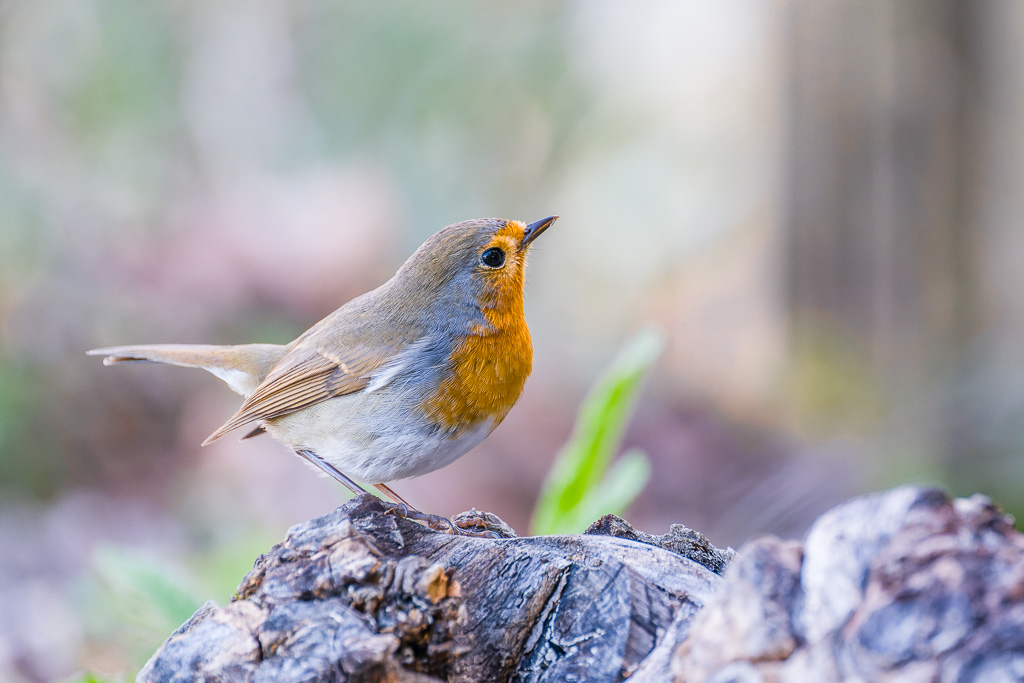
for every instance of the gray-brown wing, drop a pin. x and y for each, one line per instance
(304, 377)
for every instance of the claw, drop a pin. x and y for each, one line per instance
(400, 509)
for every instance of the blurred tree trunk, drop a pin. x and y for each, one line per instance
(882, 187)
(880, 171)
(903, 215)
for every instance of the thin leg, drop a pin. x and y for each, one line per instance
(330, 470)
(392, 495)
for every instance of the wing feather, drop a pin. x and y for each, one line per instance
(304, 377)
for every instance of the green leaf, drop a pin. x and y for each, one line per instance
(624, 481)
(579, 469)
(151, 586)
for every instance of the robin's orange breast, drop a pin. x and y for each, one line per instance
(489, 370)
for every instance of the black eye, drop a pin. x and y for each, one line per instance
(493, 258)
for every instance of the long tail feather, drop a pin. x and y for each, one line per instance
(241, 367)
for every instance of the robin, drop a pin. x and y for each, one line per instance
(397, 382)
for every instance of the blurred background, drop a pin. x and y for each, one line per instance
(818, 203)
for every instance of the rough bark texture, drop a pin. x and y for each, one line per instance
(905, 585)
(901, 586)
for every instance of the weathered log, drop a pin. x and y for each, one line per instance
(363, 595)
(905, 585)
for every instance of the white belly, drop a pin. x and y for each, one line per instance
(373, 440)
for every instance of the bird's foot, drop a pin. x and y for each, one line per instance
(435, 522)
(479, 524)
(460, 525)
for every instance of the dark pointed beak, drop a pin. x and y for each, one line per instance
(533, 230)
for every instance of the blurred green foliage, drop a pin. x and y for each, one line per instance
(94, 678)
(449, 97)
(583, 484)
(133, 599)
(155, 593)
(832, 384)
(119, 98)
(31, 459)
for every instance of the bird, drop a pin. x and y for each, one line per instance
(397, 382)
